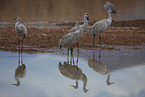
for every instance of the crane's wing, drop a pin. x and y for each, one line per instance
(67, 39)
(22, 28)
(72, 29)
(99, 27)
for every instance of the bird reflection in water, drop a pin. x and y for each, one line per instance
(100, 67)
(71, 70)
(20, 71)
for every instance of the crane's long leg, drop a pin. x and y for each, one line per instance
(78, 47)
(93, 39)
(68, 56)
(19, 59)
(22, 45)
(73, 55)
(93, 55)
(19, 44)
(100, 39)
(99, 54)
(22, 51)
(77, 58)
(19, 53)
(71, 49)
(72, 59)
(77, 44)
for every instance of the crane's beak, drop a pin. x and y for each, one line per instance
(14, 18)
(114, 11)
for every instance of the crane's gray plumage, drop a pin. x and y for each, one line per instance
(21, 31)
(102, 25)
(71, 38)
(82, 27)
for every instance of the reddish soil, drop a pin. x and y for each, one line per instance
(45, 39)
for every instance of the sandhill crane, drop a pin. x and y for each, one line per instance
(102, 25)
(20, 71)
(73, 72)
(100, 67)
(82, 27)
(21, 30)
(70, 39)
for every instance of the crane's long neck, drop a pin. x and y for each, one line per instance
(85, 25)
(108, 78)
(18, 82)
(84, 79)
(109, 17)
(17, 23)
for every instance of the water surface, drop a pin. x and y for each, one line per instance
(43, 77)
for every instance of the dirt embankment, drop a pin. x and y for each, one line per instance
(132, 34)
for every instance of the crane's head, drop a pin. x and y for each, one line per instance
(108, 5)
(109, 10)
(86, 16)
(18, 19)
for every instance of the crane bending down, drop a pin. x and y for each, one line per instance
(21, 31)
(82, 27)
(70, 39)
(102, 25)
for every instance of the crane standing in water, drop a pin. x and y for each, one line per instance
(21, 31)
(104, 24)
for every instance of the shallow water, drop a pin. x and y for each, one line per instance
(43, 77)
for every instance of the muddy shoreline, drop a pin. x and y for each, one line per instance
(121, 33)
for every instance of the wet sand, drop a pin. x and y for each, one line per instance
(121, 33)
